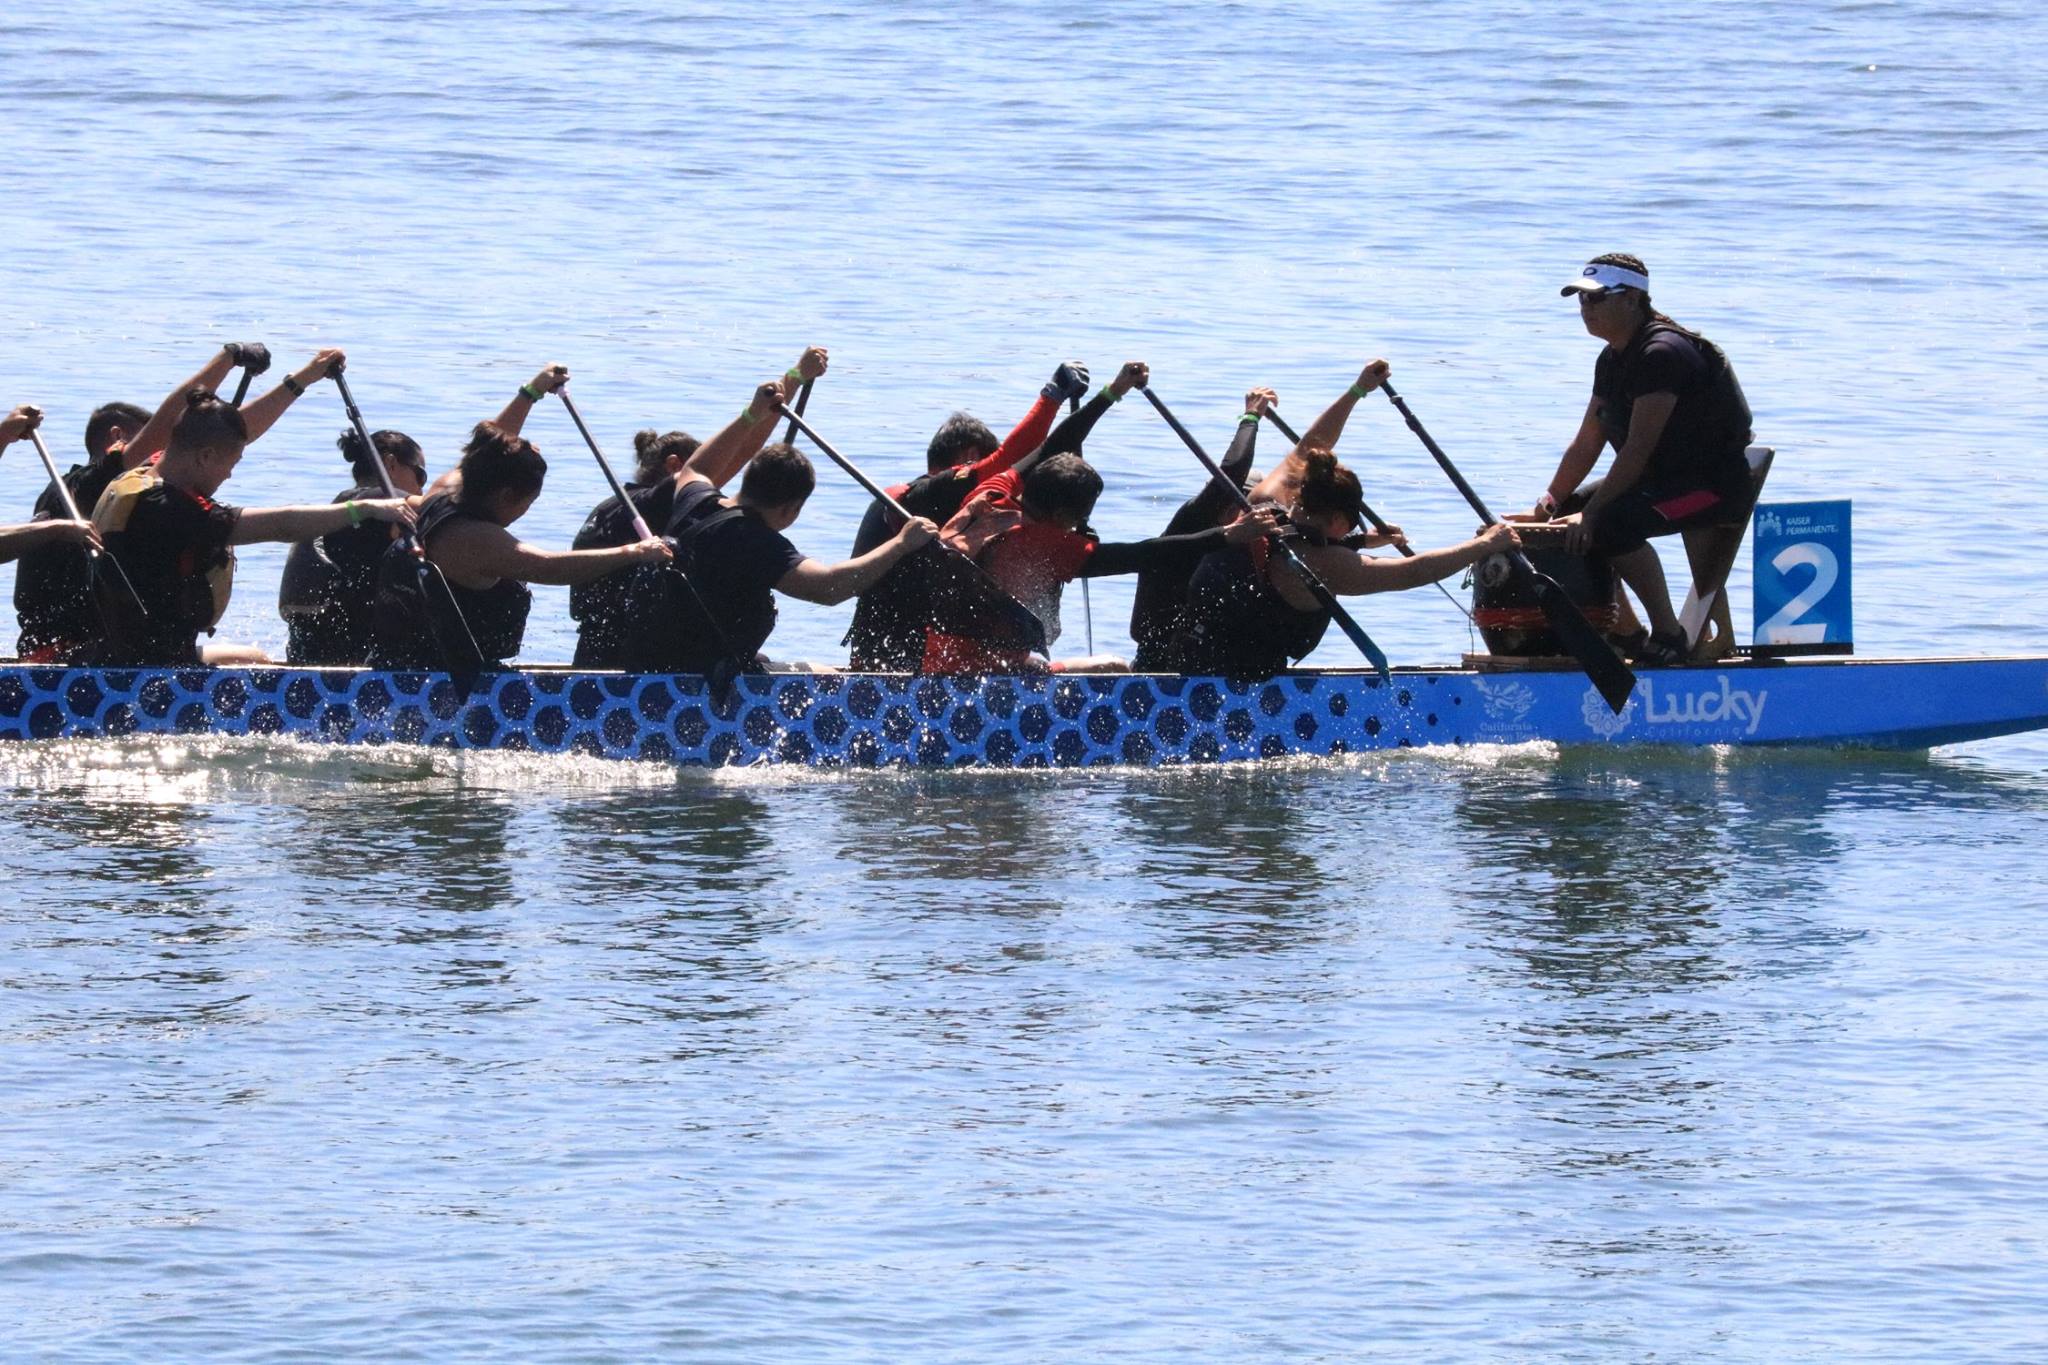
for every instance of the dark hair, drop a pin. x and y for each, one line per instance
(495, 461)
(1328, 487)
(209, 423)
(779, 475)
(652, 449)
(1062, 483)
(960, 439)
(392, 445)
(100, 426)
(1628, 261)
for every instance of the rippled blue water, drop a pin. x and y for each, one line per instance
(1490, 1056)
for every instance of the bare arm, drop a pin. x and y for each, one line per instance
(1326, 429)
(16, 541)
(830, 584)
(1645, 428)
(1579, 457)
(737, 442)
(513, 416)
(303, 523)
(261, 414)
(156, 432)
(475, 552)
(1349, 574)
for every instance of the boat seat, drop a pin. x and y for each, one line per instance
(1711, 551)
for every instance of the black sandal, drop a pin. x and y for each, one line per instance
(1663, 651)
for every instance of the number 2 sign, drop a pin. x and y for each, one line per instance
(1802, 576)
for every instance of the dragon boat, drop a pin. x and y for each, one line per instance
(854, 720)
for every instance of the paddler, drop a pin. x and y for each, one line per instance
(328, 590)
(1159, 606)
(1667, 400)
(713, 611)
(465, 530)
(52, 597)
(1249, 614)
(175, 543)
(602, 608)
(888, 631)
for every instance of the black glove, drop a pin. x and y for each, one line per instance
(1070, 380)
(252, 356)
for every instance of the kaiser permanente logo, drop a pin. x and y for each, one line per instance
(1665, 703)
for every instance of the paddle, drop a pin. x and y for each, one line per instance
(1025, 626)
(1087, 605)
(458, 648)
(1317, 588)
(1613, 679)
(99, 561)
(731, 666)
(803, 398)
(1280, 425)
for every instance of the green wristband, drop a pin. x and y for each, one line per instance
(747, 414)
(1357, 392)
(1250, 417)
(355, 514)
(793, 375)
(529, 393)
(1114, 396)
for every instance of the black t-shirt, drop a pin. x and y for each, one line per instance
(1703, 441)
(51, 598)
(600, 607)
(733, 560)
(174, 546)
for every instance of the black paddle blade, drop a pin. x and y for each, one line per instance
(1612, 678)
(458, 648)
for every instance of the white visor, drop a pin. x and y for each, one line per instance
(1595, 278)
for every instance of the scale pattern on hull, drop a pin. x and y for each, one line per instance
(850, 720)
(870, 720)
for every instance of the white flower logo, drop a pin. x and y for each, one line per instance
(1601, 719)
(1509, 701)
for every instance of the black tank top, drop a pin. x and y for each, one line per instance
(1238, 624)
(403, 639)
(329, 589)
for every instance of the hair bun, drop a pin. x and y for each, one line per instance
(645, 441)
(199, 395)
(351, 446)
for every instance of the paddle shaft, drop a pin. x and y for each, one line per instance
(1407, 552)
(1317, 588)
(355, 419)
(1610, 676)
(63, 488)
(881, 495)
(618, 489)
(96, 558)
(733, 665)
(242, 389)
(1087, 603)
(803, 398)
(875, 490)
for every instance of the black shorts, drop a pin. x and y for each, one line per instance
(1633, 518)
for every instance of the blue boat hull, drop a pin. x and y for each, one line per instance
(864, 720)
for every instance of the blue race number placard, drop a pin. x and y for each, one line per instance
(1802, 573)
